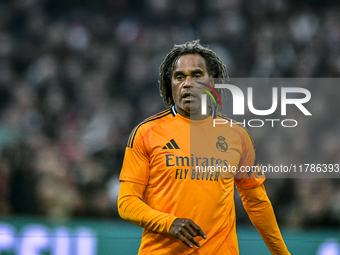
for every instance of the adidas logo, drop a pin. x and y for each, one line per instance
(171, 145)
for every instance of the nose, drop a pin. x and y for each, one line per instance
(187, 82)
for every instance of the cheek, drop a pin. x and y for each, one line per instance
(175, 92)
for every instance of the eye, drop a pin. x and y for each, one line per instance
(197, 75)
(180, 77)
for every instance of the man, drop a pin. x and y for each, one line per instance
(184, 208)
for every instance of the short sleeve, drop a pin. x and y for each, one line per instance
(136, 161)
(249, 174)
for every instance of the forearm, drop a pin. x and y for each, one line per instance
(133, 209)
(261, 214)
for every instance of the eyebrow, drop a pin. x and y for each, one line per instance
(192, 72)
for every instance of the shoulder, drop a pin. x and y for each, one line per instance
(236, 126)
(148, 123)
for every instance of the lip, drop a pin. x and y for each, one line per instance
(188, 95)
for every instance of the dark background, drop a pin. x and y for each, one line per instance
(77, 76)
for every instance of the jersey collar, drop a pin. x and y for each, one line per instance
(174, 112)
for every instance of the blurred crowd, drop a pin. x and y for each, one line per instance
(77, 76)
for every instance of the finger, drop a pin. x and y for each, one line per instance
(191, 230)
(199, 231)
(191, 239)
(185, 241)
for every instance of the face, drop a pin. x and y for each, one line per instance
(189, 69)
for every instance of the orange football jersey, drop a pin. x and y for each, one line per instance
(189, 169)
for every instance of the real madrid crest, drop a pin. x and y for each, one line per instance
(221, 145)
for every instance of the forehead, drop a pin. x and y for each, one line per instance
(190, 61)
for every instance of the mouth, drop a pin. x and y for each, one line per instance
(188, 96)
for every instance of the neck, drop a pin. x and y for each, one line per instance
(196, 115)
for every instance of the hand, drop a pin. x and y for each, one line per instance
(184, 229)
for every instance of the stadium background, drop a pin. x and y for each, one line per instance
(77, 76)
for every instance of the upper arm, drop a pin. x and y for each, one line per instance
(136, 160)
(250, 174)
(128, 188)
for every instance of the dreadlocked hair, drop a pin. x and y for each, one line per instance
(216, 68)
